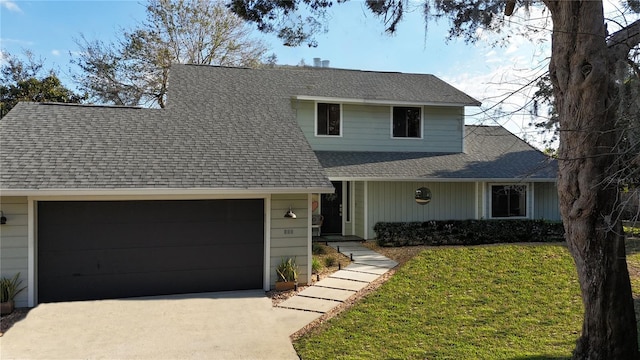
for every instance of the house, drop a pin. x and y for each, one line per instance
(109, 202)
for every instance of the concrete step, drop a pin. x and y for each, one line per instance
(326, 293)
(309, 304)
(343, 284)
(389, 264)
(366, 268)
(354, 275)
(374, 256)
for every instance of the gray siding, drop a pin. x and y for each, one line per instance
(368, 128)
(14, 243)
(394, 201)
(545, 204)
(297, 243)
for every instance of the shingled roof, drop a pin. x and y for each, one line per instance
(492, 154)
(291, 82)
(226, 128)
(47, 146)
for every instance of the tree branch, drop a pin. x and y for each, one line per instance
(623, 40)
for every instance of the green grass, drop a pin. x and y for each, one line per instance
(492, 302)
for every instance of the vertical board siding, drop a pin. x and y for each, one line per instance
(546, 205)
(368, 128)
(14, 243)
(394, 201)
(295, 244)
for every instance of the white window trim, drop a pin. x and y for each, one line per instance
(528, 199)
(407, 138)
(315, 119)
(346, 201)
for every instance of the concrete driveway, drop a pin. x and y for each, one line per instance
(229, 325)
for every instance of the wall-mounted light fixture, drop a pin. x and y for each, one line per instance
(290, 214)
(3, 219)
(423, 196)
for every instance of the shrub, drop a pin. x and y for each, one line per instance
(467, 232)
(287, 270)
(10, 288)
(329, 261)
(315, 265)
(318, 249)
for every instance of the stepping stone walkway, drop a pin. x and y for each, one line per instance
(326, 294)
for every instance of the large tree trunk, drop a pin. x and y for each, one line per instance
(582, 71)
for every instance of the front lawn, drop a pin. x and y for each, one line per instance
(485, 302)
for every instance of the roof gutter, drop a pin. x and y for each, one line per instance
(380, 102)
(164, 191)
(456, 180)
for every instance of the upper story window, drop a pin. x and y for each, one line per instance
(328, 119)
(508, 201)
(406, 122)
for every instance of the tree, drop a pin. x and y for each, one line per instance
(584, 72)
(135, 69)
(25, 80)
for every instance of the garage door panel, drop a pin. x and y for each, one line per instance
(105, 261)
(188, 281)
(188, 246)
(85, 236)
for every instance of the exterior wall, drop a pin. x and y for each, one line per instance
(368, 128)
(14, 244)
(290, 237)
(394, 201)
(546, 205)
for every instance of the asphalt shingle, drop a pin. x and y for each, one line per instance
(492, 152)
(232, 128)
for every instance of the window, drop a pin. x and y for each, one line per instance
(328, 119)
(508, 201)
(407, 122)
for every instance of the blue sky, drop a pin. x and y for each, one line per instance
(355, 40)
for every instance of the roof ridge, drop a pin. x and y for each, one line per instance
(306, 67)
(106, 106)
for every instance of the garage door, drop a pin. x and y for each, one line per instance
(113, 249)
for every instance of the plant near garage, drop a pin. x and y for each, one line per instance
(9, 289)
(287, 272)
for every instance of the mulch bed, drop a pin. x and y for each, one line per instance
(7, 321)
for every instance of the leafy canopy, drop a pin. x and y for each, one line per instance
(134, 70)
(23, 79)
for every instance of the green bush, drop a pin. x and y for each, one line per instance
(318, 249)
(315, 265)
(329, 261)
(467, 232)
(10, 288)
(287, 270)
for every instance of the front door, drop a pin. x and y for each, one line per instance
(331, 209)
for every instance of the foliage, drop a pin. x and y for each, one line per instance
(318, 249)
(467, 232)
(462, 303)
(631, 231)
(134, 70)
(287, 270)
(23, 79)
(10, 288)
(330, 261)
(315, 265)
